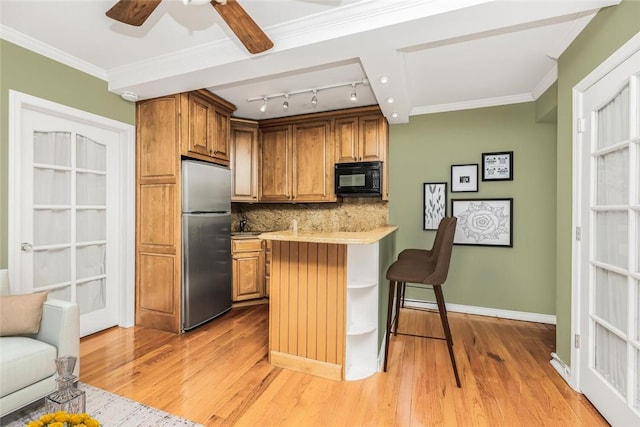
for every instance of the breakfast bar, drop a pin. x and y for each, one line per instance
(324, 316)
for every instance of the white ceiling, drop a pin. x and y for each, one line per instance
(439, 55)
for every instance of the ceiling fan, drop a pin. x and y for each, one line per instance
(135, 12)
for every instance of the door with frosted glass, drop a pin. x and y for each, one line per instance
(69, 216)
(610, 245)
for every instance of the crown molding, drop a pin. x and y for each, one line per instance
(476, 103)
(50, 52)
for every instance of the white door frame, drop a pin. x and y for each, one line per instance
(616, 59)
(18, 102)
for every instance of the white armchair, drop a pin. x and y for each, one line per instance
(27, 367)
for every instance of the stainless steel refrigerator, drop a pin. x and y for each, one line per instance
(206, 242)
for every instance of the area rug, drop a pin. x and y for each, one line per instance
(111, 410)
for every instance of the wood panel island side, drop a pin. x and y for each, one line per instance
(326, 288)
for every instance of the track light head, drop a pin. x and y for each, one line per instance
(263, 107)
(285, 104)
(354, 96)
(314, 98)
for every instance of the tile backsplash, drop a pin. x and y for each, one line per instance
(353, 214)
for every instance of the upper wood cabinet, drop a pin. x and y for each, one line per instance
(275, 164)
(296, 163)
(244, 160)
(312, 165)
(205, 126)
(361, 139)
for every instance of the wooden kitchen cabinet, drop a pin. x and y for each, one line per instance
(296, 162)
(194, 124)
(275, 164)
(158, 249)
(244, 160)
(248, 263)
(361, 139)
(205, 127)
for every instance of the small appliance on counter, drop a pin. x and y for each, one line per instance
(206, 242)
(358, 179)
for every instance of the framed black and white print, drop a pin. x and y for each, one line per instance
(483, 222)
(464, 178)
(435, 204)
(497, 166)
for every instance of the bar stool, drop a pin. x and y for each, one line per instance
(428, 268)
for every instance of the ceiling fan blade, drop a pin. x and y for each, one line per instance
(132, 12)
(245, 28)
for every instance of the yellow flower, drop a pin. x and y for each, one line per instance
(92, 423)
(47, 418)
(75, 418)
(57, 424)
(35, 424)
(61, 417)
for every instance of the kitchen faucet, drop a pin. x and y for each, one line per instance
(243, 223)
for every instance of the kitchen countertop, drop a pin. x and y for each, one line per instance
(246, 234)
(339, 237)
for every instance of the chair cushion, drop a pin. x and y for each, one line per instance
(24, 361)
(21, 314)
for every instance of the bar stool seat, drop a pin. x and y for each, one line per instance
(422, 267)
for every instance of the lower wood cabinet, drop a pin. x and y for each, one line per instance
(248, 260)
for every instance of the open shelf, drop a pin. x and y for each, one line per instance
(360, 284)
(361, 329)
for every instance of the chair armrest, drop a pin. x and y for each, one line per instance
(60, 327)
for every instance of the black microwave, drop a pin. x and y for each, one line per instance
(359, 179)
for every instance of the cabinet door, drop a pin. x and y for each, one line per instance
(312, 162)
(248, 275)
(275, 164)
(221, 133)
(372, 139)
(346, 138)
(199, 125)
(244, 162)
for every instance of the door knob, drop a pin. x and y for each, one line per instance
(26, 247)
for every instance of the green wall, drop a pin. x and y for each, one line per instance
(521, 278)
(609, 30)
(36, 75)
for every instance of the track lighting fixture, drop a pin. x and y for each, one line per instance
(314, 94)
(354, 96)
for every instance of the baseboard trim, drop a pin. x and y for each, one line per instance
(486, 311)
(563, 369)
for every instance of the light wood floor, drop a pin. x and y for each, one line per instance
(219, 375)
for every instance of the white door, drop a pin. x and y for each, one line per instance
(610, 245)
(68, 228)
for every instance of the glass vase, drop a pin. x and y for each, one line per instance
(67, 397)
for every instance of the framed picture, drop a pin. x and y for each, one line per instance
(497, 166)
(483, 222)
(464, 178)
(435, 204)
